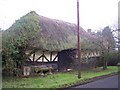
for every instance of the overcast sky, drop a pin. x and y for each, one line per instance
(94, 14)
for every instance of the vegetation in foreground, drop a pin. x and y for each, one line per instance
(57, 80)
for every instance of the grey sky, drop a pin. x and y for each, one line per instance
(94, 14)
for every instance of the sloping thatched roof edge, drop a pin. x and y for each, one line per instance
(50, 34)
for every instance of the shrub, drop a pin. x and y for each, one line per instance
(111, 57)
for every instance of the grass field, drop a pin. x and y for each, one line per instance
(57, 80)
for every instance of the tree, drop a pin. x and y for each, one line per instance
(107, 34)
(16, 39)
(108, 42)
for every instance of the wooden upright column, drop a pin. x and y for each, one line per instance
(50, 56)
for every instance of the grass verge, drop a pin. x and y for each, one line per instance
(59, 80)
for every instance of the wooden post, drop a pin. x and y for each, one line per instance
(34, 56)
(43, 57)
(55, 57)
(50, 56)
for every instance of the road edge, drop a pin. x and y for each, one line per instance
(90, 80)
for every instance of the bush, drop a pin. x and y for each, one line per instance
(7, 68)
(111, 57)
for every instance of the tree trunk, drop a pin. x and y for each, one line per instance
(104, 63)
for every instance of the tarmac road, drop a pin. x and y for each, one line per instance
(109, 82)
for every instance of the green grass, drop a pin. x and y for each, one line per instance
(56, 80)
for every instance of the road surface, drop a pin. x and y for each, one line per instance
(109, 82)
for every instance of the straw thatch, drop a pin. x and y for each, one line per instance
(50, 34)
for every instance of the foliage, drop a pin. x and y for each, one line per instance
(107, 34)
(107, 45)
(111, 58)
(8, 67)
(58, 80)
(16, 39)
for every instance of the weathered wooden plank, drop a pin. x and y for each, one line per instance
(46, 58)
(34, 56)
(55, 57)
(38, 58)
(50, 56)
(43, 57)
(28, 55)
(31, 53)
(29, 59)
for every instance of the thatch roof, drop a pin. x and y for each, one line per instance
(47, 34)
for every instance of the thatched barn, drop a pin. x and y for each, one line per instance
(51, 41)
